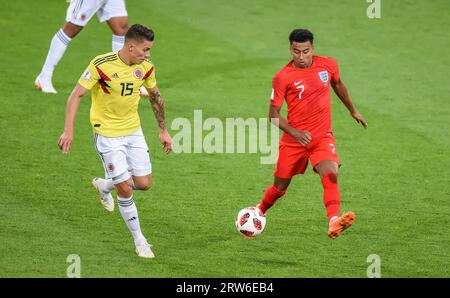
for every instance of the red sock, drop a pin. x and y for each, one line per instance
(270, 197)
(331, 196)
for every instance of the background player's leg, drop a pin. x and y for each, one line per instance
(119, 27)
(58, 46)
(328, 171)
(273, 193)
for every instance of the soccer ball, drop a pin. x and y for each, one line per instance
(250, 222)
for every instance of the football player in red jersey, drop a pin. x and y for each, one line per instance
(305, 85)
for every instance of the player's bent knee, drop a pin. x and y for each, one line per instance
(119, 25)
(281, 187)
(143, 182)
(281, 184)
(145, 187)
(71, 30)
(327, 167)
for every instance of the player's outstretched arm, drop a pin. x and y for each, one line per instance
(302, 136)
(158, 108)
(65, 140)
(341, 91)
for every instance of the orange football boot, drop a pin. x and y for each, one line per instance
(341, 223)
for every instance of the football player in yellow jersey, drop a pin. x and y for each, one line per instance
(114, 80)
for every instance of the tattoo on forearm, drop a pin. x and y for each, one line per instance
(158, 108)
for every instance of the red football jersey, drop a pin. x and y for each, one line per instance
(307, 94)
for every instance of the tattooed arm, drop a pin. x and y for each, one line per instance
(158, 108)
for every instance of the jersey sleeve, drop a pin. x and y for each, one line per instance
(89, 77)
(150, 78)
(334, 69)
(278, 92)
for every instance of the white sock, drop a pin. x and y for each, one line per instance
(108, 185)
(117, 42)
(105, 185)
(130, 216)
(58, 46)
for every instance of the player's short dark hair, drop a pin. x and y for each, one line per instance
(139, 33)
(301, 35)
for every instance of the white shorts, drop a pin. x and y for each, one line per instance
(124, 156)
(81, 11)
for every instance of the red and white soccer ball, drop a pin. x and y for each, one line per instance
(250, 222)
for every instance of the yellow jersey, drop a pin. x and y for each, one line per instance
(115, 93)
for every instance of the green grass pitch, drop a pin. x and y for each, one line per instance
(220, 58)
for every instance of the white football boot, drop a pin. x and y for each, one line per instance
(143, 92)
(143, 249)
(44, 84)
(106, 198)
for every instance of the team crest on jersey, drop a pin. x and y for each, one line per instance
(110, 167)
(323, 76)
(138, 73)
